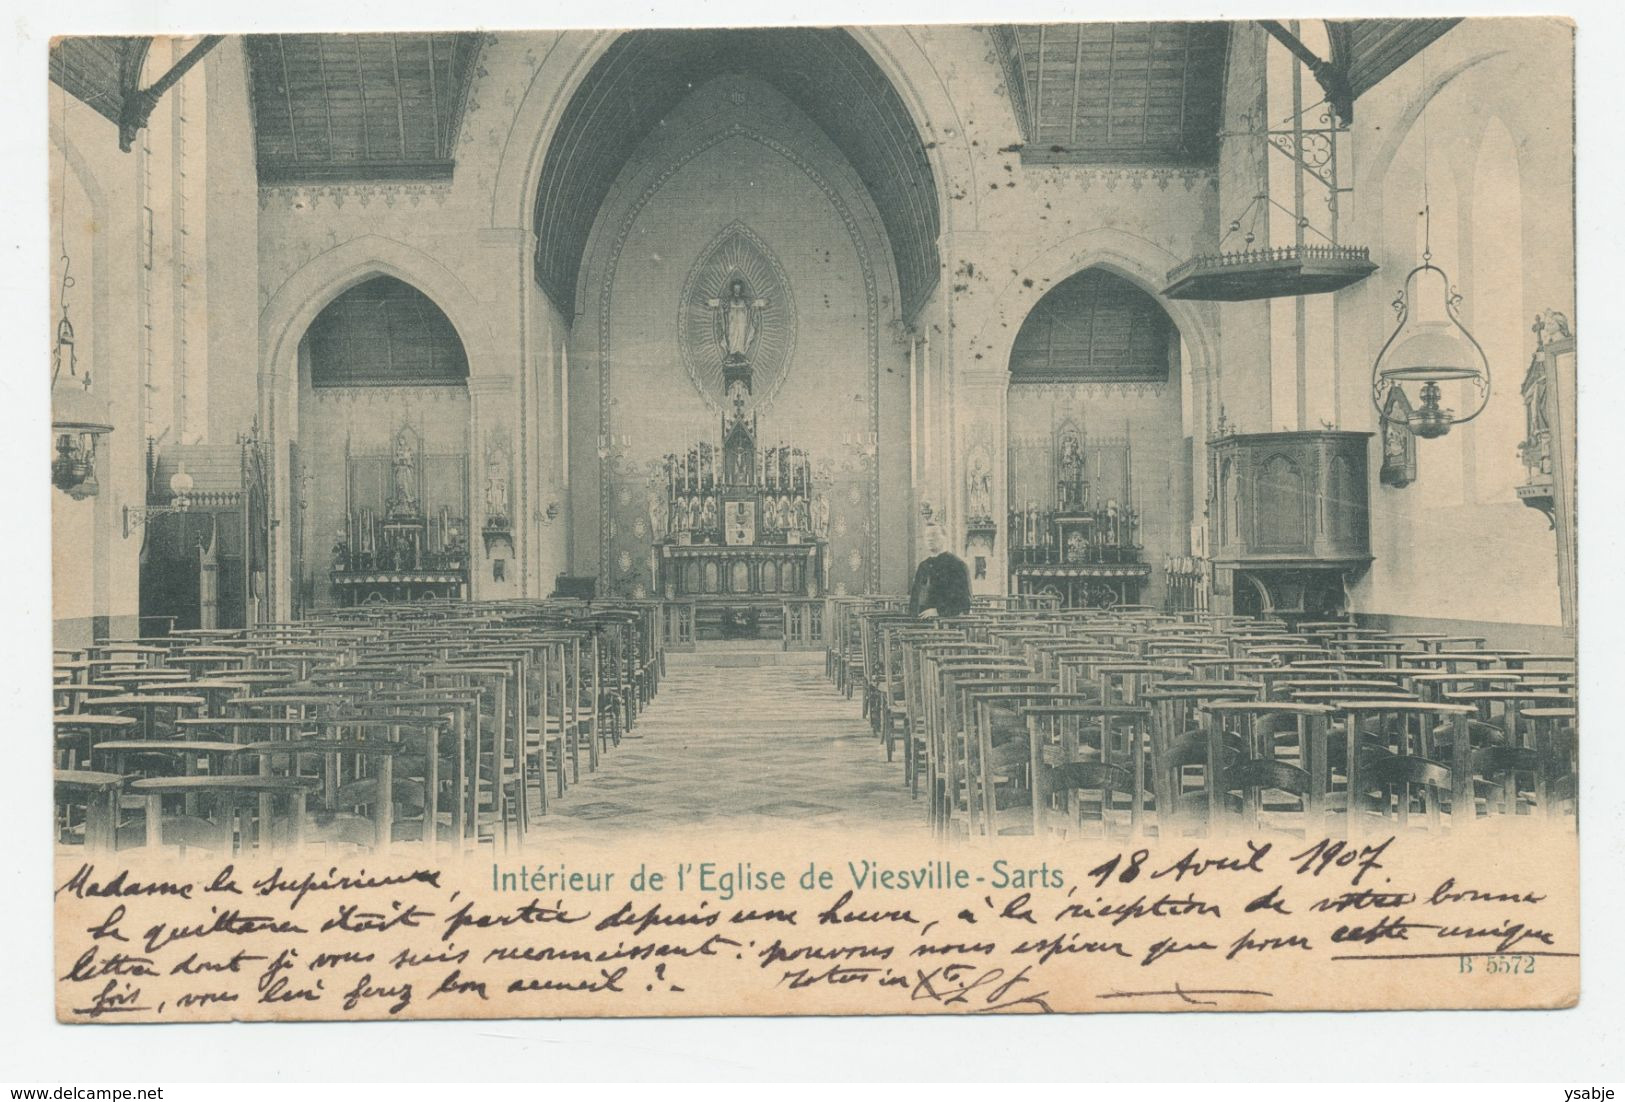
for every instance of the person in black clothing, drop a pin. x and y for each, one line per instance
(941, 582)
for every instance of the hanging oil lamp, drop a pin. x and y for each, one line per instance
(77, 418)
(1428, 347)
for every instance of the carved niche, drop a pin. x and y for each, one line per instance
(737, 307)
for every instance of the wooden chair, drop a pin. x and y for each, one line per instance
(1390, 747)
(1178, 742)
(1262, 772)
(226, 797)
(997, 776)
(1080, 747)
(95, 796)
(1555, 737)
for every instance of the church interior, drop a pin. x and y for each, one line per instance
(461, 439)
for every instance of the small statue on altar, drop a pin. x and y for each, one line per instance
(1035, 535)
(1073, 490)
(404, 474)
(658, 518)
(708, 515)
(735, 321)
(801, 515)
(820, 516)
(770, 513)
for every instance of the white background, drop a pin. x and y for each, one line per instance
(1570, 1047)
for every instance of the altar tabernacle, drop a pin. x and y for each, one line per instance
(739, 524)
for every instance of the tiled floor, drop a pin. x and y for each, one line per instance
(760, 747)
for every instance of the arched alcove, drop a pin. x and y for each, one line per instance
(1098, 463)
(380, 469)
(738, 181)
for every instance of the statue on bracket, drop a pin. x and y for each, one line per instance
(659, 518)
(1398, 442)
(496, 485)
(820, 516)
(979, 485)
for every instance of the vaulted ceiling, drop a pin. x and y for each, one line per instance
(825, 72)
(340, 107)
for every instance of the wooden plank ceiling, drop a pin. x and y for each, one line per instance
(1367, 50)
(825, 72)
(1127, 93)
(92, 69)
(352, 107)
(385, 333)
(1152, 93)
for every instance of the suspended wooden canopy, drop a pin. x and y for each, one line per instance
(1270, 273)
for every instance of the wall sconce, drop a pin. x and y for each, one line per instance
(180, 497)
(73, 467)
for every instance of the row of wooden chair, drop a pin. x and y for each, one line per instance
(1130, 721)
(434, 723)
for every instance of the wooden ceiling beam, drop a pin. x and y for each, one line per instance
(1333, 78)
(139, 102)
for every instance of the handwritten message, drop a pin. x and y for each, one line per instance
(1234, 924)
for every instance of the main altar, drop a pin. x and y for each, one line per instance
(740, 531)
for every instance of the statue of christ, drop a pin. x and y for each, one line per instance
(735, 324)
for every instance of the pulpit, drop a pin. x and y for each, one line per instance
(1291, 521)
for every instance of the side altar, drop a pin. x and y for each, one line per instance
(740, 531)
(1080, 542)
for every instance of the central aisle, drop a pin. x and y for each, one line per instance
(768, 747)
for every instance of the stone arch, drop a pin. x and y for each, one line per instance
(689, 137)
(303, 295)
(572, 56)
(1136, 259)
(1377, 167)
(288, 314)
